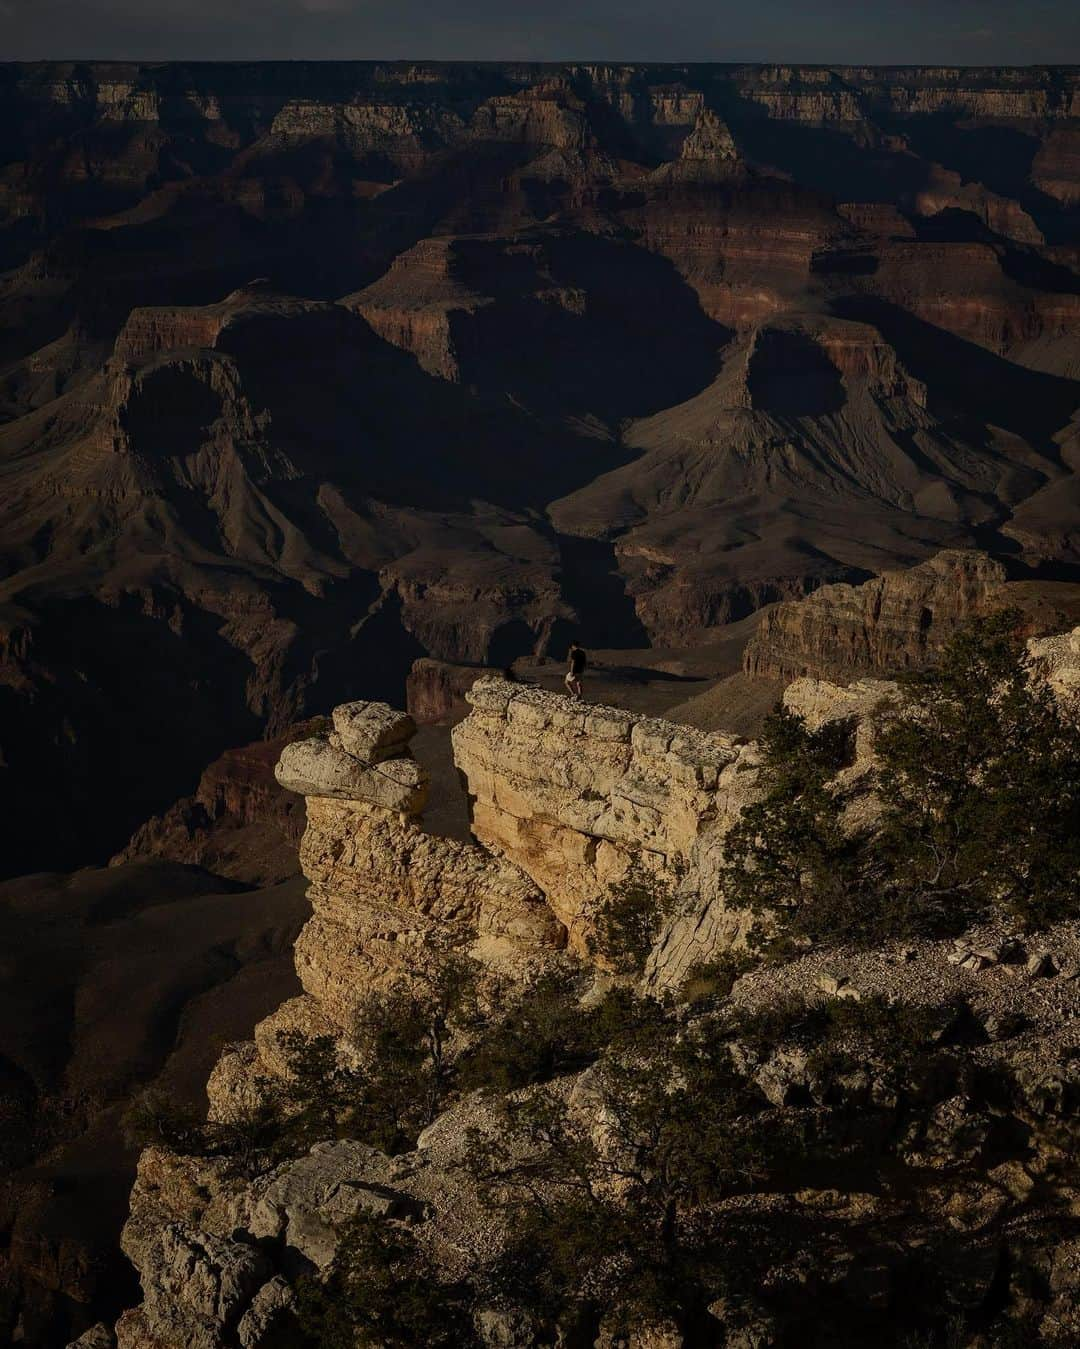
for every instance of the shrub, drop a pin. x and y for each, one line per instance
(544, 1034)
(404, 1077)
(155, 1119)
(251, 1141)
(979, 782)
(548, 1033)
(382, 1292)
(604, 1200)
(788, 854)
(629, 922)
(715, 978)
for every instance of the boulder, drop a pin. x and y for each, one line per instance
(1057, 660)
(316, 768)
(372, 732)
(196, 1285)
(268, 1313)
(306, 1203)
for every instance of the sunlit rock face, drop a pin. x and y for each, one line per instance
(896, 621)
(569, 800)
(587, 799)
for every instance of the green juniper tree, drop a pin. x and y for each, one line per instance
(978, 780)
(980, 785)
(604, 1201)
(402, 1075)
(382, 1292)
(629, 921)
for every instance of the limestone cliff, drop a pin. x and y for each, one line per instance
(898, 620)
(389, 900)
(586, 799)
(568, 801)
(894, 622)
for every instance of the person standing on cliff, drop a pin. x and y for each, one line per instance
(575, 668)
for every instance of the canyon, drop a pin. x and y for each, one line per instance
(360, 381)
(310, 371)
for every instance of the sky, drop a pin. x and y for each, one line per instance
(950, 32)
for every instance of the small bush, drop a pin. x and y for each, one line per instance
(629, 922)
(155, 1119)
(384, 1293)
(715, 978)
(540, 1037)
(548, 1033)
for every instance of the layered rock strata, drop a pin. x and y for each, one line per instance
(589, 800)
(389, 900)
(896, 621)
(568, 800)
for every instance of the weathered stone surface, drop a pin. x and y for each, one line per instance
(97, 1337)
(306, 1203)
(505, 1328)
(1057, 660)
(135, 1331)
(268, 1312)
(436, 689)
(372, 732)
(196, 1286)
(236, 1085)
(818, 702)
(582, 798)
(301, 1016)
(317, 768)
(389, 898)
(896, 621)
(570, 801)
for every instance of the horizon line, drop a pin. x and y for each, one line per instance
(532, 61)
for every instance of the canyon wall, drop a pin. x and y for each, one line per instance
(897, 621)
(570, 806)
(569, 802)
(309, 371)
(591, 801)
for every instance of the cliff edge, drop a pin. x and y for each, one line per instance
(573, 805)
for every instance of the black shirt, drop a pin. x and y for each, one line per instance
(577, 661)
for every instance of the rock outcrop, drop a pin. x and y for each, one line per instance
(897, 621)
(436, 689)
(588, 800)
(390, 901)
(570, 803)
(1057, 660)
